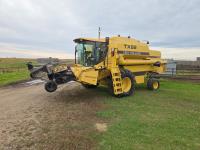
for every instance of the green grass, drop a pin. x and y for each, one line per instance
(164, 119)
(13, 70)
(13, 77)
(15, 62)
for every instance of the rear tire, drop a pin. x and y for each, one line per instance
(153, 84)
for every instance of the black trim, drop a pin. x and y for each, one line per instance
(107, 44)
(132, 52)
(139, 73)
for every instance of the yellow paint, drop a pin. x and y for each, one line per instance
(122, 53)
(89, 76)
(126, 84)
(85, 74)
(139, 79)
(155, 85)
(117, 80)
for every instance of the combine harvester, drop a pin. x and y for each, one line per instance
(117, 62)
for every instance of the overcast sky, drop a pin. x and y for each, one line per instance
(43, 28)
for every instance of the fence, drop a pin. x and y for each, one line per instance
(170, 72)
(12, 69)
(177, 72)
(190, 74)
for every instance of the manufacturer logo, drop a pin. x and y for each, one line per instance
(130, 46)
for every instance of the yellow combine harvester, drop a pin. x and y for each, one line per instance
(117, 62)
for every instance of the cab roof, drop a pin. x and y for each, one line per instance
(89, 39)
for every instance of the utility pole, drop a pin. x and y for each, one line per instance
(99, 32)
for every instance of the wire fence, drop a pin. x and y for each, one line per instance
(177, 72)
(12, 69)
(180, 74)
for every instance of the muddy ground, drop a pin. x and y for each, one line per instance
(31, 118)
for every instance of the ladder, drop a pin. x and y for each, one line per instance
(116, 80)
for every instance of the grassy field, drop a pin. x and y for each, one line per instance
(164, 119)
(13, 77)
(13, 70)
(14, 62)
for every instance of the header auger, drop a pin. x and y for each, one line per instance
(117, 62)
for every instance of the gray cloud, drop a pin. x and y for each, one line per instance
(38, 24)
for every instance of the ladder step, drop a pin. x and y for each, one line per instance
(114, 77)
(118, 91)
(117, 86)
(117, 82)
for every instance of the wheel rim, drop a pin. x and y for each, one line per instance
(51, 86)
(126, 84)
(155, 85)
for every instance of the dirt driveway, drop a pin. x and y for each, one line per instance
(31, 118)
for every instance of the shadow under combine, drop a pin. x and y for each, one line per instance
(75, 92)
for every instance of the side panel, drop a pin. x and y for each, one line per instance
(145, 68)
(139, 79)
(89, 76)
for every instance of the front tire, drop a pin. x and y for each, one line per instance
(50, 86)
(128, 84)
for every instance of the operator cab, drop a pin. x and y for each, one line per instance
(89, 52)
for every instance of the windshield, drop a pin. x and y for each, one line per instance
(90, 53)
